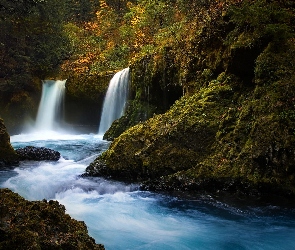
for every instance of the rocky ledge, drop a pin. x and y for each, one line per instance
(37, 154)
(7, 153)
(40, 225)
(227, 136)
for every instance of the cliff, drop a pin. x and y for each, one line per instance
(233, 129)
(7, 154)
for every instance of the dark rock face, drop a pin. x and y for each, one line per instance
(40, 225)
(7, 153)
(233, 130)
(37, 154)
(228, 136)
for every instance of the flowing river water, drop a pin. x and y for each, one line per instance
(122, 217)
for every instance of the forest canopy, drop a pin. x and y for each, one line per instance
(49, 38)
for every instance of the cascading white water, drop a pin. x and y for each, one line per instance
(122, 217)
(50, 105)
(115, 100)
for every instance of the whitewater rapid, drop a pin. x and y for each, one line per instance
(120, 216)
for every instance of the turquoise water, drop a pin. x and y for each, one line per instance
(122, 217)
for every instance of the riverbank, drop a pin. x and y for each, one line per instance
(233, 128)
(40, 225)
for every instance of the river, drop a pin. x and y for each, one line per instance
(120, 216)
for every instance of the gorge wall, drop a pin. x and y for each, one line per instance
(7, 154)
(233, 129)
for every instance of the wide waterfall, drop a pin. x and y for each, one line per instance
(49, 112)
(115, 100)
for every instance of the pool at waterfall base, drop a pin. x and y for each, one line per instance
(121, 216)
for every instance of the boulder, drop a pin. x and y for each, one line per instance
(37, 154)
(40, 225)
(7, 154)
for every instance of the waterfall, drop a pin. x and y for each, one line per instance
(115, 100)
(50, 105)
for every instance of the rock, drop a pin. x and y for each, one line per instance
(233, 128)
(37, 154)
(7, 154)
(40, 225)
(225, 136)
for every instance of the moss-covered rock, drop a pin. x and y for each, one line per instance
(220, 138)
(234, 128)
(137, 111)
(18, 101)
(169, 142)
(39, 225)
(7, 154)
(87, 87)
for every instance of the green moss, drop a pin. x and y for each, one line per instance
(274, 64)
(88, 87)
(137, 111)
(234, 127)
(170, 142)
(225, 133)
(7, 153)
(39, 225)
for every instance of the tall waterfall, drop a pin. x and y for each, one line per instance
(115, 100)
(50, 105)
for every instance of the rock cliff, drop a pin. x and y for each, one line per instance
(7, 154)
(233, 129)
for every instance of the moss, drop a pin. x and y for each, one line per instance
(170, 142)
(7, 153)
(137, 111)
(229, 135)
(234, 128)
(87, 87)
(274, 64)
(154, 88)
(39, 225)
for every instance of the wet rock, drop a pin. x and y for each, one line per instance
(37, 154)
(7, 154)
(40, 225)
(233, 129)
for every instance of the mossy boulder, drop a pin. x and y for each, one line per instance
(234, 128)
(39, 225)
(136, 112)
(7, 154)
(228, 135)
(170, 142)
